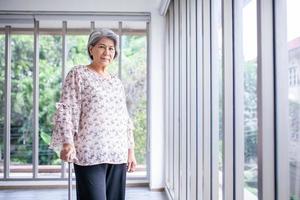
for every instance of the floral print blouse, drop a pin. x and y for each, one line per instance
(92, 115)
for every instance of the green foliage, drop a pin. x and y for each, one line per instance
(134, 79)
(250, 111)
(134, 57)
(21, 98)
(250, 126)
(49, 91)
(77, 51)
(46, 138)
(140, 133)
(294, 197)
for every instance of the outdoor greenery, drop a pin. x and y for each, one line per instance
(250, 112)
(250, 125)
(134, 78)
(50, 80)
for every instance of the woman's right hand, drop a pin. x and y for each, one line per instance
(67, 153)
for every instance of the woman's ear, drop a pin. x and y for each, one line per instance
(90, 49)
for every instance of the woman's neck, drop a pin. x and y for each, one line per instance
(98, 68)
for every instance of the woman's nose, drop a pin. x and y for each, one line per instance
(106, 52)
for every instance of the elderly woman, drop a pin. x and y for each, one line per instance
(92, 126)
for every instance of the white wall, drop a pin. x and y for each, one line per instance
(156, 66)
(79, 5)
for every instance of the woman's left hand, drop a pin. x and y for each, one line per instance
(131, 163)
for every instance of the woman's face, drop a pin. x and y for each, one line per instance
(103, 52)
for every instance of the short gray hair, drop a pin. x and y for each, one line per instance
(98, 34)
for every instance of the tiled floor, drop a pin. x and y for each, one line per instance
(132, 193)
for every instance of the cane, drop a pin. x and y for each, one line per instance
(70, 181)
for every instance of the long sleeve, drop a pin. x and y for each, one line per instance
(129, 123)
(66, 117)
(130, 137)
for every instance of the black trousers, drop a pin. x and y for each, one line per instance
(100, 182)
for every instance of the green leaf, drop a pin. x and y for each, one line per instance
(46, 138)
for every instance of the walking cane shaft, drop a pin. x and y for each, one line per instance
(70, 181)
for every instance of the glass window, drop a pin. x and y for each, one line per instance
(250, 97)
(76, 51)
(134, 77)
(220, 96)
(21, 106)
(50, 63)
(2, 101)
(293, 43)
